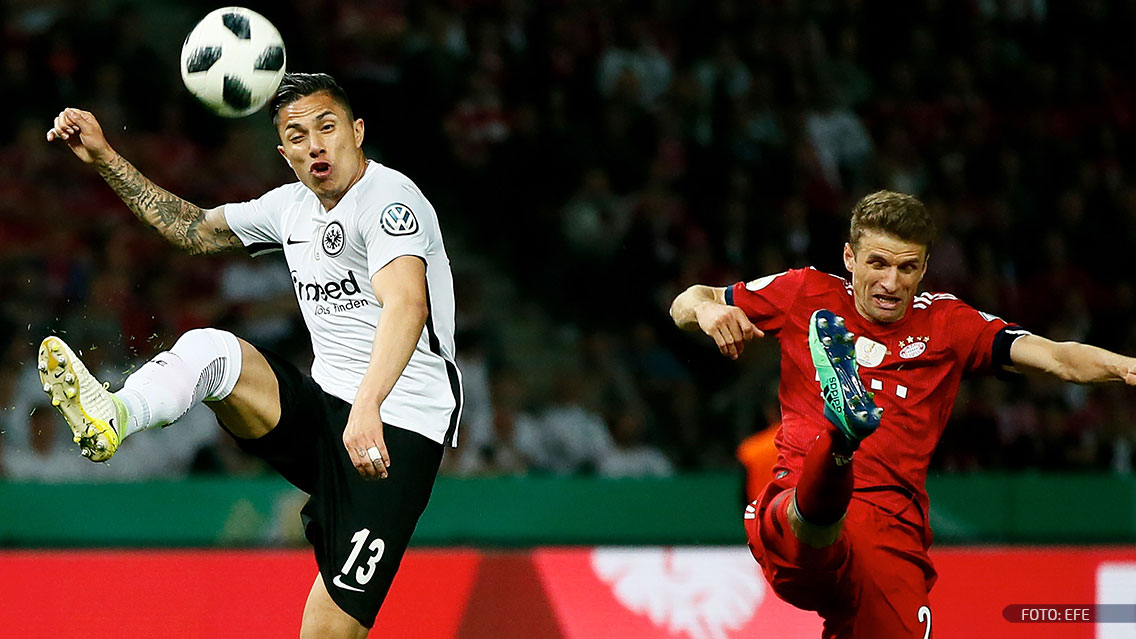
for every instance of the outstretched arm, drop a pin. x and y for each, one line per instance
(705, 308)
(183, 223)
(1072, 361)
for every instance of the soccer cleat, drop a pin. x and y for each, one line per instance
(847, 404)
(94, 414)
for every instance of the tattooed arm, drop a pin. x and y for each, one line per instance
(183, 223)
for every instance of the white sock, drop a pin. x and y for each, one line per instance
(203, 364)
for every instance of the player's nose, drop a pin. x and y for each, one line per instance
(316, 146)
(889, 279)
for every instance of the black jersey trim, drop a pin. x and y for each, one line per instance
(256, 249)
(451, 372)
(730, 296)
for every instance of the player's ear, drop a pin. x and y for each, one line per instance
(358, 128)
(280, 147)
(850, 257)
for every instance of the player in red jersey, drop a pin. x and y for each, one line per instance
(842, 529)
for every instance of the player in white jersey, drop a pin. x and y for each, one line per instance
(374, 285)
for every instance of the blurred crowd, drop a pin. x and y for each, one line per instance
(589, 160)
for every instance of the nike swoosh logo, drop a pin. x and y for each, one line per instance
(339, 582)
(111, 422)
(291, 241)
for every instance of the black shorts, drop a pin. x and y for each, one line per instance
(359, 528)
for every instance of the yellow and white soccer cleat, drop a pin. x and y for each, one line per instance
(95, 415)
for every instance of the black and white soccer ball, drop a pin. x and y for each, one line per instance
(233, 61)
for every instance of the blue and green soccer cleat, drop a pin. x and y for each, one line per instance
(847, 404)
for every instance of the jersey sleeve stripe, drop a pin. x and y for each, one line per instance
(730, 296)
(256, 249)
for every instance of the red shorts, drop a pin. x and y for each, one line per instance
(873, 582)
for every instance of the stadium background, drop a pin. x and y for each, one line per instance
(588, 161)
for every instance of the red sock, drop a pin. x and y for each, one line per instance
(825, 488)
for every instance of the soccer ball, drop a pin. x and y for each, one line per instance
(233, 61)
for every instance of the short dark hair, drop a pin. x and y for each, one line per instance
(298, 85)
(896, 214)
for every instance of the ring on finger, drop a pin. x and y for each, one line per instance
(374, 453)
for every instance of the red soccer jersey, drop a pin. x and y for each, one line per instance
(914, 367)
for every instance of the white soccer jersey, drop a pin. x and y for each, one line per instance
(332, 256)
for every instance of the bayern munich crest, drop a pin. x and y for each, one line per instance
(912, 346)
(333, 239)
(398, 219)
